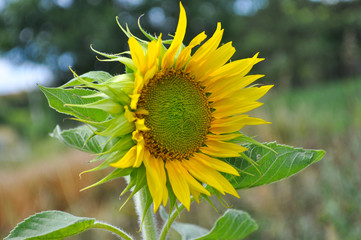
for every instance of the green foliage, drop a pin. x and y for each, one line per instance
(92, 76)
(233, 224)
(58, 98)
(275, 162)
(57, 225)
(50, 225)
(81, 138)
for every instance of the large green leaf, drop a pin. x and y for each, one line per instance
(80, 138)
(58, 99)
(273, 166)
(234, 224)
(50, 225)
(57, 225)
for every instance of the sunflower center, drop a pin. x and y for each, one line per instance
(179, 115)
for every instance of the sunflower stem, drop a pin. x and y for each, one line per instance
(168, 224)
(146, 219)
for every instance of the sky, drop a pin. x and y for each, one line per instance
(16, 78)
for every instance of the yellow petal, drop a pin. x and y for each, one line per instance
(138, 85)
(215, 163)
(139, 125)
(222, 90)
(233, 124)
(192, 183)
(236, 68)
(205, 50)
(209, 176)
(252, 93)
(224, 137)
(184, 56)
(222, 149)
(127, 160)
(152, 54)
(231, 110)
(178, 182)
(134, 100)
(129, 115)
(150, 73)
(216, 60)
(156, 179)
(140, 152)
(168, 58)
(137, 54)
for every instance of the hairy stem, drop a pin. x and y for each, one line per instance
(148, 228)
(168, 224)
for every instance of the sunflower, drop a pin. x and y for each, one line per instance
(175, 115)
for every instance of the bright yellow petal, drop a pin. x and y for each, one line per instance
(205, 50)
(192, 183)
(185, 55)
(140, 152)
(139, 125)
(178, 182)
(152, 54)
(156, 179)
(224, 137)
(137, 54)
(168, 58)
(138, 85)
(233, 124)
(222, 90)
(127, 160)
(244, 94)
(215, 164)
(222, 149)
(209, 176)
(134, 100)
(216, 60)
(152, 59)
(231, 110)
(236, 68)
(252, 93)
(128, 114)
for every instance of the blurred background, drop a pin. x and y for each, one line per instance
(313, 57)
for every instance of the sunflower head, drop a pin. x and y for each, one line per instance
(176, 113)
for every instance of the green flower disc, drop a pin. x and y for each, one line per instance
(178, 115)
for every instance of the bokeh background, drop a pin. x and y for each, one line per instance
(313, 57)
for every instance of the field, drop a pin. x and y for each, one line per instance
(322, 202)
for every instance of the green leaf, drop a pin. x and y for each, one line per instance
(272, 166)
(58, 225)
(50, 225)
(234, 224)
(58, 98)
(93, 76)
(81, 138)
(189, 231)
